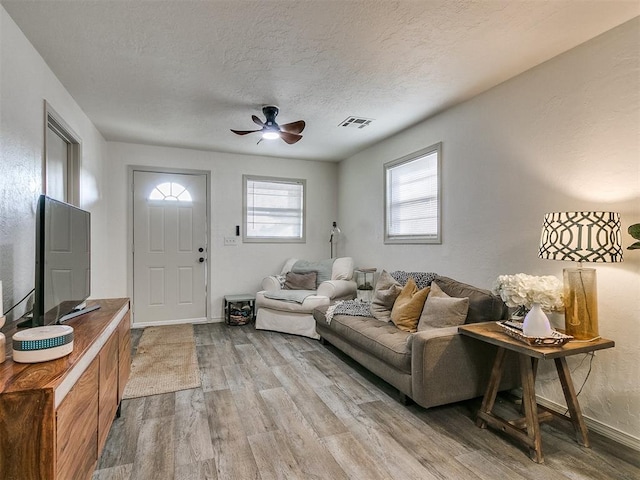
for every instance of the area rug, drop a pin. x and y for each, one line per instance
(165, 361)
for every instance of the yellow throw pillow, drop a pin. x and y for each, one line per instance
(408, 306)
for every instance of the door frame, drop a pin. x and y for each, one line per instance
(186, 171)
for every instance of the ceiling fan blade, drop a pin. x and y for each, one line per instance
(290, 138)
(243, 132)
(293, 127)
(257, 121)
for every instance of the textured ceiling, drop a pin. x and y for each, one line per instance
(181, 73)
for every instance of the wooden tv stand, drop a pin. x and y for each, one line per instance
(55, 416)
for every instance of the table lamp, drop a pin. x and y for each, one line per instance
(581, 237)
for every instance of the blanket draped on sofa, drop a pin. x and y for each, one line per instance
(296, 296)
(354, 308)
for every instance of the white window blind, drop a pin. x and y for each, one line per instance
(413, 198)
(274, 209)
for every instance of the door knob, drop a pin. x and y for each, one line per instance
(201, 249)
(201, 259)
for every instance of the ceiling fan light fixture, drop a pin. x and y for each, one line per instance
(289, 132)
(270, 135)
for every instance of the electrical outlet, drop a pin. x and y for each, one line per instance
(230, 241)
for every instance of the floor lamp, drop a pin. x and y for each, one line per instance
(581, 237)
(333, 239)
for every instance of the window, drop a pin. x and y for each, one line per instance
(412, 197)
(274, 209)
(62, 151)
(171, 192)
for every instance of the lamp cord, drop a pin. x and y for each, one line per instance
(584, 382)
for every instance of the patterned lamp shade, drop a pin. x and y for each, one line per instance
(581, 237)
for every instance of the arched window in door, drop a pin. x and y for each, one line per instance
(171, 192)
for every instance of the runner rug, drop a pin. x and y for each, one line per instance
(165, 361)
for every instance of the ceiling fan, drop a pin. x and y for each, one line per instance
(289, 132)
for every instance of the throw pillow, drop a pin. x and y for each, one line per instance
(483, 306)
(437, 292)
(441, 310)
(384, 295)
(422, 279)
(300, 281)
(408, 307)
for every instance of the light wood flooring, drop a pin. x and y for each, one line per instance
(276, 406)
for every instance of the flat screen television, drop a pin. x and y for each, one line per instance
(63, 260)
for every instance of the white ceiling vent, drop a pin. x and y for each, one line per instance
(356, 122)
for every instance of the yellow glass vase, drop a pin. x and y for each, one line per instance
(580, 303)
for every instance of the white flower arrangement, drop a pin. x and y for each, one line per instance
(522, 290)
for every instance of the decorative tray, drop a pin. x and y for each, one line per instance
(514, 329)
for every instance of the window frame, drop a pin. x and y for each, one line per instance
(54, 123)
(414, 239)
(245, 219)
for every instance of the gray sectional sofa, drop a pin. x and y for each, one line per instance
(433, 367)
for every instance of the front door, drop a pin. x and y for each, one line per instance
(169, 248)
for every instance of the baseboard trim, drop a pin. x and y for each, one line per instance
(596, 426)
(169, 322)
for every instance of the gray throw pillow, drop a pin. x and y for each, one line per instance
(441, 310)
(384, 296)
(483, 305)
(300, 281)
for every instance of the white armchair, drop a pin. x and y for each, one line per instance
(296, 316)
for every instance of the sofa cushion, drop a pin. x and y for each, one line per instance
(342, 269)
(441, 310)
(307, 306)
(300, 281)
(408, 306)
(380, 339)
(384, 296)
(483, 306)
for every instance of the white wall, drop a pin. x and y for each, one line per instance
(562, 136)
(25, 83)
(238, 269)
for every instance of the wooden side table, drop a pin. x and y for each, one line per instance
(527, 429)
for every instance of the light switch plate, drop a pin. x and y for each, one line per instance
(230, 241)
